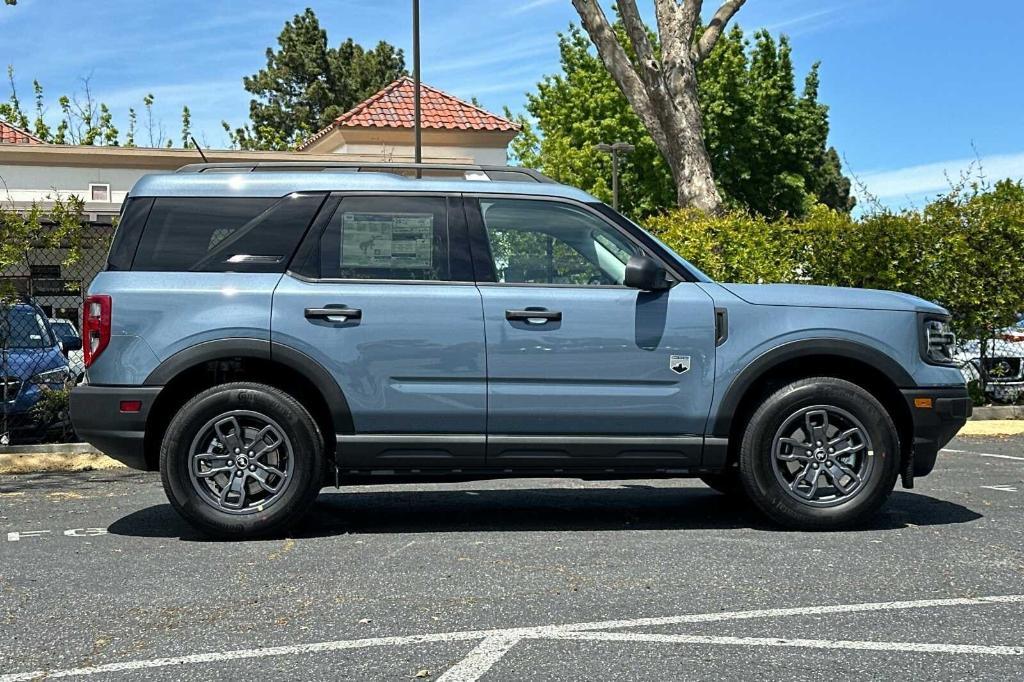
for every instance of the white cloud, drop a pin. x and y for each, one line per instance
(936, 177)
(529, 7)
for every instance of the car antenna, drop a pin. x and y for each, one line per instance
(198, 148)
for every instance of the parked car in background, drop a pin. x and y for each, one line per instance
(32, 362)
(1003, 366)
(66, 332)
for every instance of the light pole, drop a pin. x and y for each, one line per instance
(615, 149)
(418, 154)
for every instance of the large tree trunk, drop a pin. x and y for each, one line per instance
(663, 92)
(688, 158)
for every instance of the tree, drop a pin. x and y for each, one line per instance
(186, 128)
(662, 88)
(83, 119)
(306, 84)
(768, 154)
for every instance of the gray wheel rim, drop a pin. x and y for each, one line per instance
(241, 462)
(822, 456)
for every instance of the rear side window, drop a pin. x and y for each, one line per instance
(129, 230)
(209, 234)
(392, 238)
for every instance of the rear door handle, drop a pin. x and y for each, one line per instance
(534, 315)
(339, 314)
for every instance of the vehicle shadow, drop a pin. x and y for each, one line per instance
(630, 507)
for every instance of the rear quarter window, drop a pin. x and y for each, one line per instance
(230, 234)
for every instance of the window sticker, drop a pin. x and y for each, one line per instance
(387, 240)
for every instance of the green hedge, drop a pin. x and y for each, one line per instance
(965, 250)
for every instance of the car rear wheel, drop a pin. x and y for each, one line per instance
(242, 460)
(819, 453)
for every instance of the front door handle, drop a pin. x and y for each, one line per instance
(534, 315)
(339, 314)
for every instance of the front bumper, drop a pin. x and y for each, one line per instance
(97, 417)
(936, 425)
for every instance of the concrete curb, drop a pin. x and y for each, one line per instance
(50, 449)
(998, 412)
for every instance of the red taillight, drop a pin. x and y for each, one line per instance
(95, 326)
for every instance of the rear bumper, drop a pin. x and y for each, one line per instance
(97, 417)
(936, 425)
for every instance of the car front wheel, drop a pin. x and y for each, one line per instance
(818, 454)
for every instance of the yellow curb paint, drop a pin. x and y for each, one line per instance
(993, 427)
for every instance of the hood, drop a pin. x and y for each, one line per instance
(812, 296)
(27, 362)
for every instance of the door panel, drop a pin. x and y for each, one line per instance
(582, 371)
(409, 356)
(605, 367)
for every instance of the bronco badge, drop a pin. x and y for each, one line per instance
(679, 363)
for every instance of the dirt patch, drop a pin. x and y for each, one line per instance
(30, 464)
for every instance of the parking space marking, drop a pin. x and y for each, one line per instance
(862, 645)
(1001, 488)
(983, 454)
(481, 659)
(497, 642)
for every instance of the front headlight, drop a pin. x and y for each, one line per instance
(53, 378)
(937, 341)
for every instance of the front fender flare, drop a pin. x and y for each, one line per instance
(721, 420)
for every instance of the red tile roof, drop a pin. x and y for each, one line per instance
(392, 107)
(11, 135)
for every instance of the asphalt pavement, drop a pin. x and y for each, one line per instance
(526, 579)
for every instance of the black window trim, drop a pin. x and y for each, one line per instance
(484, 264)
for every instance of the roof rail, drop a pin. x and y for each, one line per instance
(449, 170)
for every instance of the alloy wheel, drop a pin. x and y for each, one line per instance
(241, 462)
(822, 456)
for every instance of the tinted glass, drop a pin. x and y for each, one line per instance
(63, 328)
(541, 242)
(129, 229)
(224, 234)
(401, 238)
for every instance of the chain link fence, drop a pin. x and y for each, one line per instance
(41, 356)
(994, 367)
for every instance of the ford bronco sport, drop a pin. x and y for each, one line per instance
(262, 331)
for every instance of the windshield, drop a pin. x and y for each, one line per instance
(63, 328)
(23, 327)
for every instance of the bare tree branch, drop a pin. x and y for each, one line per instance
(691, 15)
(617, 62)
(637, 32)
(715, 28)
(670, 30)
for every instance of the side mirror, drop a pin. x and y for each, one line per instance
(644, 273)
(70, 343)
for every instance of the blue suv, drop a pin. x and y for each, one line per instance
(262, 331)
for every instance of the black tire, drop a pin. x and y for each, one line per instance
(727, 483)
(764, 473)
(300, 439)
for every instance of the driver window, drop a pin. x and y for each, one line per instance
(545, 242)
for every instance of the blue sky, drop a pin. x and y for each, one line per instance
(915, 86)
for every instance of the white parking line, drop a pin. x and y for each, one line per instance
(497, 642)
(481, 659)
(983, 454)
(832, 644)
